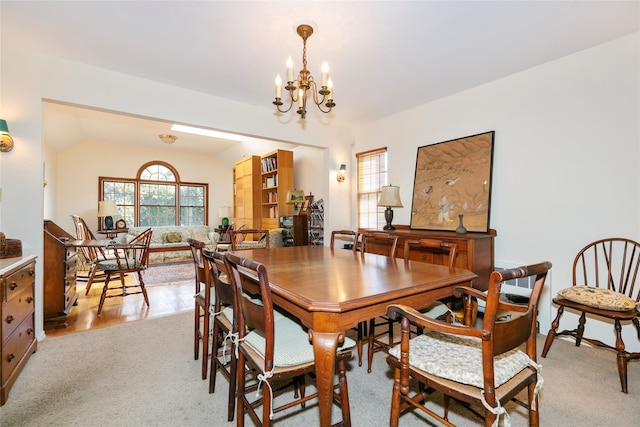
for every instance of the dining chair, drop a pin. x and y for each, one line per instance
(276, 350)
(485, 366)
(222, 311)
(347, 236)
(249, 238)
(384, 244)
(132, 257)
(91, 255)
(203, 302)
(435, 252)
(605, 285)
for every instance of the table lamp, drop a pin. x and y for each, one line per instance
(107, 209)
(389, 197)
(224, 213)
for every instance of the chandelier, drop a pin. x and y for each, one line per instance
(299, 89)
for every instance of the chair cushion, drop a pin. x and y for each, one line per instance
(604, 299)
(435, 310)
(112, 264)
(291, 346)
(460, 358)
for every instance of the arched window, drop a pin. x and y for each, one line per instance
(157, 197)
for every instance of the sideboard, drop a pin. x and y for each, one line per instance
(475, 251)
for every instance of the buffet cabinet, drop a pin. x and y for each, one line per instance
(59, 281)
(17, 293)
(475, 251)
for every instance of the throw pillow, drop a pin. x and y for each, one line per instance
(173, 237)
(604, 299)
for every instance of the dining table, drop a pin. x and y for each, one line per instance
(332, 290)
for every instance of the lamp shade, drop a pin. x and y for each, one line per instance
(4, 128)
(107, 208)
(390, 196)
(224, 212)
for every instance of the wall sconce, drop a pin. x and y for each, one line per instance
(342, 173)
(6, 142)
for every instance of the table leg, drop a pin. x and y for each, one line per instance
(324, 350)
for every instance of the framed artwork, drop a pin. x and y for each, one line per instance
(452, 184)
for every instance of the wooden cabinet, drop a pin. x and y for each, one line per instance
(246, 194)
(59, 281)
(276, 181)
(475, 251)
(17, 294)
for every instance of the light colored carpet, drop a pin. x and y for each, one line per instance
(143, 374)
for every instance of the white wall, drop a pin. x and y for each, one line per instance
(567, 147)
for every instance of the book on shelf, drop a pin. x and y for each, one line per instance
(269, 164)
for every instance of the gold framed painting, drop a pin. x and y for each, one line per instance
(452, 185)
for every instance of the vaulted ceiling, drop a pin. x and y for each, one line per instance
(385, 56)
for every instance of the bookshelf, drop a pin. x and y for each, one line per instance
(246, 193)
(315, 213)
(276, 179)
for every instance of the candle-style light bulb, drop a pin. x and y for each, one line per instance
(289, 69)
(330, 87)
(300, 98)
(278, 86)
(325, 73)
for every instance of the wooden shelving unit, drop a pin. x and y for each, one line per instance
(246, 193)
(276, 179)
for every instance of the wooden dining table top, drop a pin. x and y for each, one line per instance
(319, 278)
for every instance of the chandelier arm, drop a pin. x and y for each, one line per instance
(278, 103)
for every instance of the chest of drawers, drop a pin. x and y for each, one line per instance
(17, 294)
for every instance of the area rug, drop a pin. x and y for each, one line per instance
(169, 273)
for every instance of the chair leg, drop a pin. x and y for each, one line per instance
(580, 330)
(144, 290)
(552, 332)
(196, 332)
(344, 393)
(240, 390)
(92, 275)
(205, 344)
(232, 385)
(533, 401)
(103, 296)
(372, 333)
(621, 357)
(361, 334)
(395, 400)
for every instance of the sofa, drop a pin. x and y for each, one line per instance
(171, 243)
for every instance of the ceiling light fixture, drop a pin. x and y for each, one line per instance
(305, 82)
(167, 139)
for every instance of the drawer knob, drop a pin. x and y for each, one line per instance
(32, 272)
(10, 319)
(13, 286)
(29, 331)
(29, 300)
(10, 357)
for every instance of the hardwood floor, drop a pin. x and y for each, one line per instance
(164, 300)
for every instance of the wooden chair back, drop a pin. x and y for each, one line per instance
(196, 247)
(136, 255)
(249, 238)
(346, 236)
(379, 243)
(432, 251)
(90, 254)
(612, 264)
(218, 278)
(253, 313)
